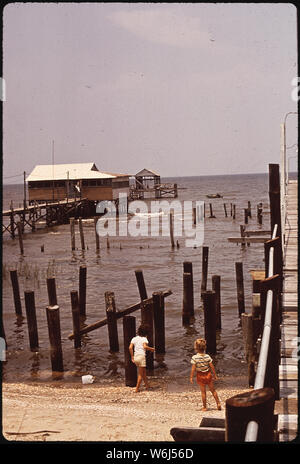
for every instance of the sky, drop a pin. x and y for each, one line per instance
(185, 89)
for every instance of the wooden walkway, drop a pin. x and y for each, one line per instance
(287, 407)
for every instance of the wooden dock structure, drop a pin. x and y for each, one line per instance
(287, 407)
(48, 213)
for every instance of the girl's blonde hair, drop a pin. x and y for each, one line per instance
(200, 344)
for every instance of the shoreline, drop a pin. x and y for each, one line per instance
(59, 411)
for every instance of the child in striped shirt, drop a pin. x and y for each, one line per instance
(203, 365)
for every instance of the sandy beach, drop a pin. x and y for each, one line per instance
(100, 413)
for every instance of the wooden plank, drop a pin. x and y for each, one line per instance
(248, 239)
(118, 315)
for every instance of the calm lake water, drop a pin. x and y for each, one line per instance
(113, 269)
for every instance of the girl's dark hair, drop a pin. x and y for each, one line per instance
(143, 330)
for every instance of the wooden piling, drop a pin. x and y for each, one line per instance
(188, 268)
(187, 303)
(240, 287)
(76, 318)
(248, 336)
(194, 216)
(216, 287)
(72, 231)
(81, 234)
(129, 331)
(249, 209)
(231, 209)
(211, 211)
(159, 322)
(171, 221)
(256, 405)
(246, 215)
(274, 196)
(110, 305)
(31, 320)
(259, 213)
(147, 319)
(233, 212)
(82, 290)
(204, 268)
(96, 234)
(51, 288)
(225, 209)
(20, 237)
(242, 230)
(209, 305)
(141, 284)
(16, 292)
(53, 321)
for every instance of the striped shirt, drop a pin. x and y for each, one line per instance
(202, 362)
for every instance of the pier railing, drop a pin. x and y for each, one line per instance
(263, 361)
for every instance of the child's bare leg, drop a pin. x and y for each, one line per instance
(203, 395)
(139, 379)
(144, 375)
(215, 394)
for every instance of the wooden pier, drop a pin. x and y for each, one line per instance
(287, 407)
(48, 213)
(157, 191)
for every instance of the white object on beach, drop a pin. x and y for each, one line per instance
(87, 379)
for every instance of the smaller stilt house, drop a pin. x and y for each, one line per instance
(146, 179)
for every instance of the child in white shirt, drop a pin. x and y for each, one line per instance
(137, 349)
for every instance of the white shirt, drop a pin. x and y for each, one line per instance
(138, 344)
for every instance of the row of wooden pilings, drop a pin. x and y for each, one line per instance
(247, 214)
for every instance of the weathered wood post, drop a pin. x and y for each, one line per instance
(141, 284)
(12, 220)
(233, 213)
(76, 318)
(187, 303)
(159, 322)
(110, 305)
(248, 336)
(72, 231)
(259, 213)
(209, 305)
(240, 287)
(147, 319)
(51, 288)
(55, 338)
(216, 287)
(249, 209)
(81, 233)
(274, 196)
(129, 331)
(231, 209)
(225, 209)
(171, 221)
(246, 215)
(242, 230)
(256, 405)
(31, 320)
(82, 290)
(20, 236)
(188, 268)
(273, 359)
(96, 234)
(211, 211)
(194, 216)
(16, 292)
(204, 268)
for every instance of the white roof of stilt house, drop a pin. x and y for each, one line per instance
(146, 172)
(74, 171)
